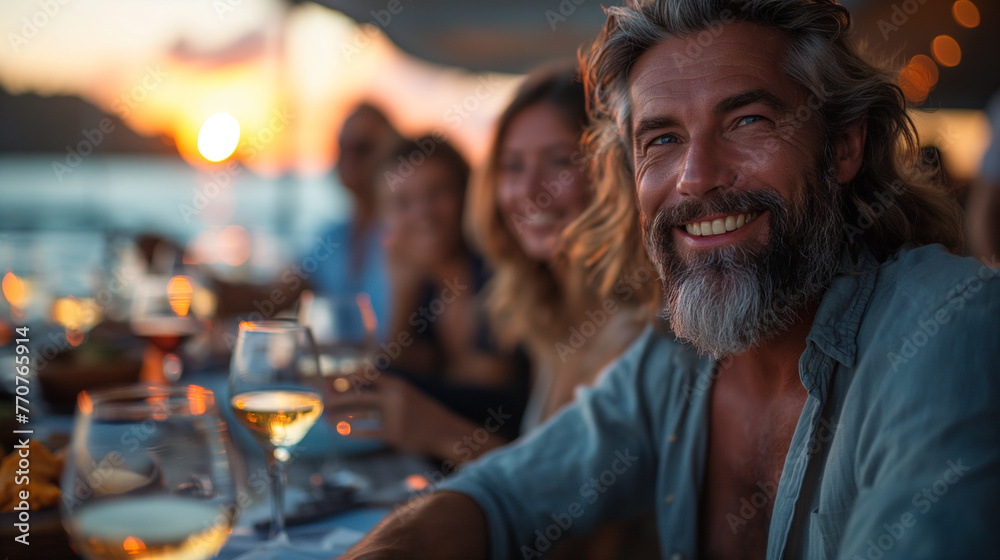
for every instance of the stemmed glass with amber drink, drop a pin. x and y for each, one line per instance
(275, 391)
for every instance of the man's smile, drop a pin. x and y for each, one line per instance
(717, 225)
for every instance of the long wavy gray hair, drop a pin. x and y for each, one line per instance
(891, 202)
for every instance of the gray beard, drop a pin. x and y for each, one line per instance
(731, 299)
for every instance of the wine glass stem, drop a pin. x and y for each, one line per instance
(276, 474)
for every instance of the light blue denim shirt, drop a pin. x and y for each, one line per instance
(896, 453)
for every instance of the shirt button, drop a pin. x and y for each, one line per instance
(672, 438)
(677, 556)
(670, 498)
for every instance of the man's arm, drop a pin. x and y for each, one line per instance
(594, 462)
(439, 526)
(928, 464)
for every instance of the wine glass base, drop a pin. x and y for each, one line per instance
(280, 548)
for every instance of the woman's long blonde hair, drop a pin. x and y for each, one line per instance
(525, 300)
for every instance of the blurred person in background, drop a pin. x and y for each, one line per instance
(983, 207)
(536, 187)
(353, 259)
(448, 377)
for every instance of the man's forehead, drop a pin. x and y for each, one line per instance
(708, 64)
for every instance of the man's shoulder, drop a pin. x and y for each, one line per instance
(661, 366)
(925, 279)
(931, 312)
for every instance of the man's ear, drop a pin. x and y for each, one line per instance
(850, 152)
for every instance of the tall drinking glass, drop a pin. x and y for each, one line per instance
(148, 476)
(274, 390)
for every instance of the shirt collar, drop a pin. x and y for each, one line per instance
(838, 318)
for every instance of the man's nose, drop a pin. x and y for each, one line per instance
(705, 168)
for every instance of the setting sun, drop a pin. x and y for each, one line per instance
(218, 137)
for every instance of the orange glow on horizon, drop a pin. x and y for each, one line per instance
(133, 545)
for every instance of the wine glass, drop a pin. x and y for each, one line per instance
(162, 314)
(274, 390)
(148, 475)
(345, 335)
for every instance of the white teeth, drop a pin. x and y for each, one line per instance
(720, 225)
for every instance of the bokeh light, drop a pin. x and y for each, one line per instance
(946, 50)
(179, 291)
(218, 137)
(13, 290)
(344, 428)
(965, 13)
(918, 78)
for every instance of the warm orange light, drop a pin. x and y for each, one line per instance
(343, 428)
(218, 137)
(198, 399)
(179, 292)
(946, 50)
(965, 13)
(133, 545)
(918, 78)
(73, 337)
(76, 314)
(416, 482)
(13, 289)
(84, 402)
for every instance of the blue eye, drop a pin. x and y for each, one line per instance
(665, 139)
(749, 119)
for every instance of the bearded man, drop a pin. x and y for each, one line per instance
(836, 394)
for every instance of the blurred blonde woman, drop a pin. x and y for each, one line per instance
(563, 288)
(573, 314)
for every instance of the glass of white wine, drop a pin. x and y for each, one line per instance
(275, 391)
(148, 475)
